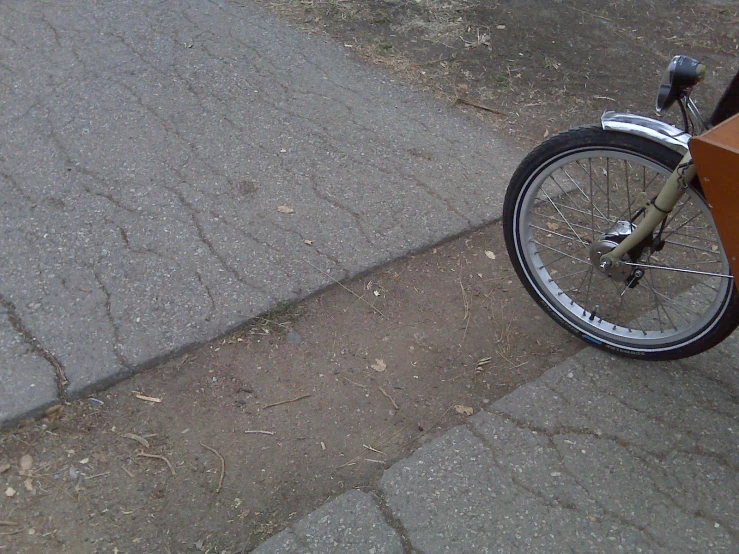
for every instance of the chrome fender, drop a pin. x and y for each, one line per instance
(646, 127)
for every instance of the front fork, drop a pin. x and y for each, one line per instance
(655, 211)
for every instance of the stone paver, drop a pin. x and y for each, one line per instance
(600, 454)
(146, 147)
(351, 523)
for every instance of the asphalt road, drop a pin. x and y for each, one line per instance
(145, 150)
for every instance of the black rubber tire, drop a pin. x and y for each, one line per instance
(594, 137)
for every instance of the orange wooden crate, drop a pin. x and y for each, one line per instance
(716, 156)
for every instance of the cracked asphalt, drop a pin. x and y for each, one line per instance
(599, 455)
(146, 147)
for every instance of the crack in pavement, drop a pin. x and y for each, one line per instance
(135, 136)
(15, 320)
(652, 460)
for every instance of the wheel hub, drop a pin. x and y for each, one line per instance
(606, 244)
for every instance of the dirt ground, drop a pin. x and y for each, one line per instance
(221, 448)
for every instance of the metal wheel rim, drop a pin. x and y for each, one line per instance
(578, 315)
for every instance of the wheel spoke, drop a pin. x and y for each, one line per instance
(588, 198)
(692, 247)
(658, 300)
(680, 270)
(551, 232)
(672, 231)
(560, 252)
(564, 218)
(576, 202)
(572, 274)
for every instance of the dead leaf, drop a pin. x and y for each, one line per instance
(10, 492)
(4, 468)
(26, 462)
(85, 461)
(308, 242)
(285, 210)
(379, 365)
(141, 440)
(714, 247)
(245, 513)
(490, 254)
(464, 410)
(28, 484)
(55, 412)
(552, 226)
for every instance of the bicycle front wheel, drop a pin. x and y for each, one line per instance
(573, 199)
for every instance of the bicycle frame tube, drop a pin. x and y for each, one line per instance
(674, 188)
(667, 198)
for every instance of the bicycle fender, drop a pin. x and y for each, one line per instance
(652, 129)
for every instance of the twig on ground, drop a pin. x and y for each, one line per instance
(183, 360)
(128, 472)
(128, 513)
(8, 523)
(438, 60)
(147, 398)
(158, 457)
(223, 465)
(98, 475)
(391, 437)
(460, 100)
(395, 405)
(285, 401)
(519, 365)
(464, 300)
(466, 310)
(347, 289)
(258, 432)
(140, 440)
(429, 428)
(512, 363)
(368, 447)
(355, 383)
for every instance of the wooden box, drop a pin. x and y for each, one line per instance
(716, 157)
